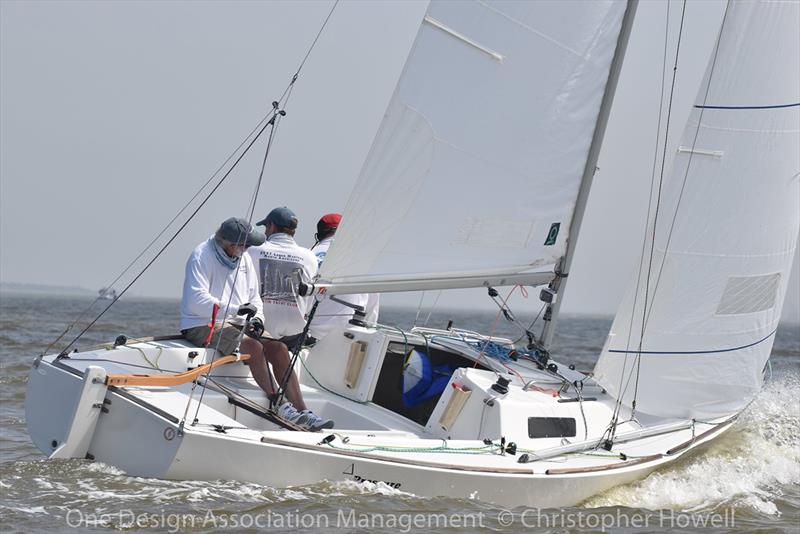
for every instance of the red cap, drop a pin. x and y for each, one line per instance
(329, 221)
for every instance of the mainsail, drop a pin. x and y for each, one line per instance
(726, 233)
(474, 173)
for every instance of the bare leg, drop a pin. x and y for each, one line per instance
(277, 354)
(258, 365)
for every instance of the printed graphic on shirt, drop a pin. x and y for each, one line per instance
(275, 275)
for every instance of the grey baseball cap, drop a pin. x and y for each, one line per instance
(283, 217)
(239, 231)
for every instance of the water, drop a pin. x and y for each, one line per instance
(747, 481)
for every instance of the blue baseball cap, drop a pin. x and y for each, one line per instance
(283, 217)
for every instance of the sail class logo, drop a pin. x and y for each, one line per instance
(552, 234)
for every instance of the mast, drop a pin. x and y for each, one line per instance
(562, 268)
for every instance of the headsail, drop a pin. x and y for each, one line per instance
(475, 170)
(725, 239)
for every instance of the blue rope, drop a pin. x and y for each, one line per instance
(776, 106)
(501, 352)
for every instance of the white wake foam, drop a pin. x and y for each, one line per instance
(747, 466)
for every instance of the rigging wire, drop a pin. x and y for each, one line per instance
(169, 242)
(645, 311)
(259, 129)
(530, 326)
(433, 307)
(274, 121)
(278, 111)
(646, 316)
(618, 404)
(419, 308)
(691, 153)
(158, 236)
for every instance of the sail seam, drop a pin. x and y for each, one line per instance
(717, 351)
(534, 31)
(787, 252)
(707, 126)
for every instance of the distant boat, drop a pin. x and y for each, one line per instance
(107, 293)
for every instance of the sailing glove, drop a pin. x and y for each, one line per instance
(254, 328)
(248, 310)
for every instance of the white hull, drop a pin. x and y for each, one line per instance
(139, 432)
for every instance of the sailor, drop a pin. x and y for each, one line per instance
(218, 273)
(331, 315)
(276, 261)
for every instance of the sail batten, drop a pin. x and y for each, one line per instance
(478, 162)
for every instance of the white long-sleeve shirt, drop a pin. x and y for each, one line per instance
(284, 312)
(208, 282)
(331, 315)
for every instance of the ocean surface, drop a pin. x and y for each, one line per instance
(747, 481)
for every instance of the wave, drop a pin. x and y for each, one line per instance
(748, 467)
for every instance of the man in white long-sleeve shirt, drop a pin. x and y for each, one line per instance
(212, 280)
(219, 273)
(331, 315)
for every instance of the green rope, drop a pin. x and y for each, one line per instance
(142, 352)
(303, 363)
(395, 329)
(144, 355)
(486, 449)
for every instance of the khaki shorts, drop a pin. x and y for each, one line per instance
(227, 337)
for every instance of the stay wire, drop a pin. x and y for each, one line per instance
(691, 152)
(419, 307)
(158, 236)
(171, 239)
(505, 310)
(274, 121)
(646, 311)
(656, 212)
(646, 318)
(314, 42)
(252, 208)
(533, 323)
(618, 403)
(260, 129)
(432, 308)
(276, 114)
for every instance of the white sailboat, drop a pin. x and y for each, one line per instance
(509, 97)
(107, 293)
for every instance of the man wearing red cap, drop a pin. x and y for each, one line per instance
(326, 227)
(330, 314)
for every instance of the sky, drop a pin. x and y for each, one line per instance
(112, 114)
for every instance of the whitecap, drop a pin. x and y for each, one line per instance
(742, 468)
(350, 487)
(36, 510)
(100, 467)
